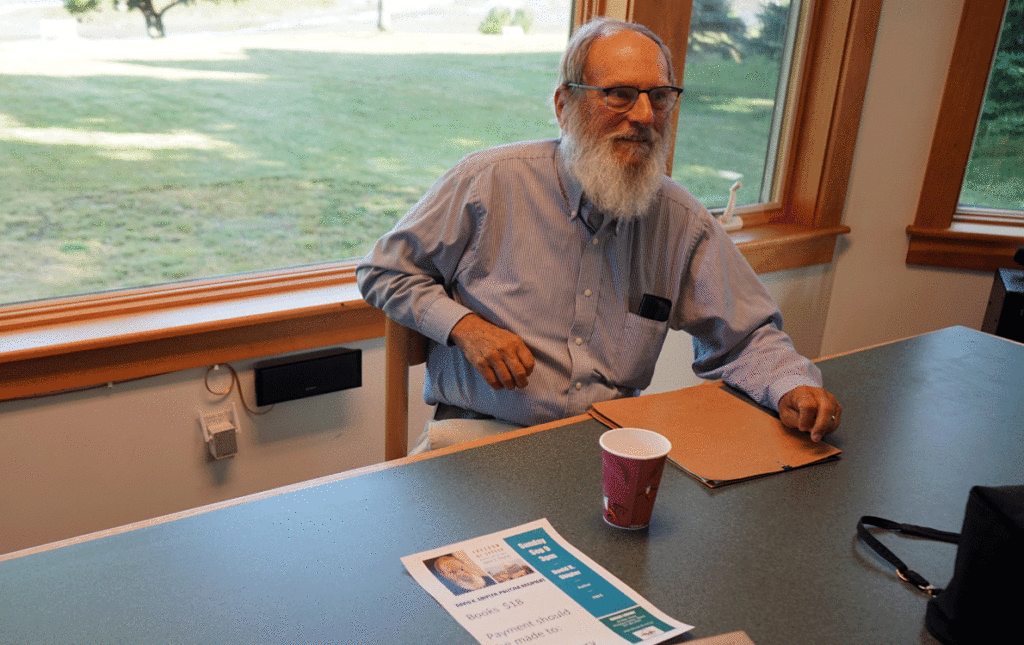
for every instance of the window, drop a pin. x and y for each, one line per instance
(994, 179)
(81, 340)
(970, 212)
(161, 161)
(737, 67)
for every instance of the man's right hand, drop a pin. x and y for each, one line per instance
(500, 356)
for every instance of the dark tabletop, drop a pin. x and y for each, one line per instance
(924, 420)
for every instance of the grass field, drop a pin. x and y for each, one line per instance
(995, 174)
(134, 168)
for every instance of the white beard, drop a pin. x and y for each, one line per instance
(471, 582)
(619, 190)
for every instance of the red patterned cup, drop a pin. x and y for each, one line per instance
(632, 461)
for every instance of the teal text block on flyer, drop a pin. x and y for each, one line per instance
(635, 624)
(592, 591)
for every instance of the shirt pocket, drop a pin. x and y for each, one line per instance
(639, 347)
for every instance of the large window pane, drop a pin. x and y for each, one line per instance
(995, 172)
(295, 140)
(728, 122)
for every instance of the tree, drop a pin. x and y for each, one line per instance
(1003, 114)
(714, 31)
(154, 17)
(771, 41)
(383, 16)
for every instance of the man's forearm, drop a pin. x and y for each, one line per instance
(416, 301)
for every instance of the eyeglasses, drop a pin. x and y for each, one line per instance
(623, 98)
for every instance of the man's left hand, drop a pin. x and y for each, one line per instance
(810, 409)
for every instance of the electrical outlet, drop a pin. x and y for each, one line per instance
(219, 430)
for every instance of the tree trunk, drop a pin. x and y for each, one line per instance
(154, 19)
(155, 25)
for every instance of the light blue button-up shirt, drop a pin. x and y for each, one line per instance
(505, 234)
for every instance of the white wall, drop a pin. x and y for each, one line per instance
(82, 462)
(876, 297)
(86, 461)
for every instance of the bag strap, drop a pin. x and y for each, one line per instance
(902, 570)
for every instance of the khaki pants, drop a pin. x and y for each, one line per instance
(449, 432)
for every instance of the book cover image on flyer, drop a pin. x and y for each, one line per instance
(528, 585)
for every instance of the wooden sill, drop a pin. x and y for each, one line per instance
(775, 247)
(89, 341)
(89, 352)
(965, 245)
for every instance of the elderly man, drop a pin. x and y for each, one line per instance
(549, 272)
(458, 576)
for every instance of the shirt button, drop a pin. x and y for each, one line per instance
(579, 341)
(595, 241)
(588, 293)
(579, 386)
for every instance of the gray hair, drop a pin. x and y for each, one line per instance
(574, 60)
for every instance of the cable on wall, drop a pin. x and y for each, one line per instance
(235, 382)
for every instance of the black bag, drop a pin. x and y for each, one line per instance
(980, 603)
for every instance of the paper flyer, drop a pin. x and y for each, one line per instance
(528, 585)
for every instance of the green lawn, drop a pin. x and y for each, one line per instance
(301, 157)
(994, 174)
(724, 123)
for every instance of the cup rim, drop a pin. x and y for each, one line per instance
(661, 451)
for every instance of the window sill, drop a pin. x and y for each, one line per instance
(104, 345)
(965, 245)
(776, 247)
(83, 342)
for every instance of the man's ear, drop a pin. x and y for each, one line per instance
(561, 96)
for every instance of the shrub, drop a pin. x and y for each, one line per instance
(496, 18)
(523, 18)
(499, 17)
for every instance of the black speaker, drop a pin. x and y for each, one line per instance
(296, 377)
(1005, 314)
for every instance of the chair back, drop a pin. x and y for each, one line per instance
(403, 347)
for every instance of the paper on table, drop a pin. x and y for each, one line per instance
(527, 584)
(716, 437)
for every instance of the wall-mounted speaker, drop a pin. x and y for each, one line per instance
(296, 377)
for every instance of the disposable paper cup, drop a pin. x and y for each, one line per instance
(632, 461)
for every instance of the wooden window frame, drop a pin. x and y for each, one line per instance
(943, 233)
(87, 341)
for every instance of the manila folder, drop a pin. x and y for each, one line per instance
(716, 436)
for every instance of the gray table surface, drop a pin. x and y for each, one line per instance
(924, 420)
